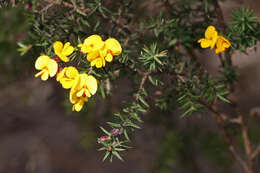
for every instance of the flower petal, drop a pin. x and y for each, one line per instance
(93, 43)
(58, 46)
(210, 32)
(67, 84)
(80, 93)
(41, 62)
(99, 63)
(67, 50)
(71, 72)
(39, 73)
(92, 84)
(73, 97)
(109, 57)
(204, 43)
(92, 55)
(45, 75)
(114, 46)
(61, 74)
(52, 67)
(79, 105)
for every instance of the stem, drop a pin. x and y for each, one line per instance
(220, 122)
(255, 153)
(221, 21)
(144, 78)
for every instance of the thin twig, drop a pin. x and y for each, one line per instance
(221, 21)
(220, 122)
(255, 153)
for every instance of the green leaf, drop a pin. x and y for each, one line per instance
(106, 132)
(81, 12)
(113, 124)
(126, 135)
(143, 101)
(223, 99)
(117, 155)
(106, 155)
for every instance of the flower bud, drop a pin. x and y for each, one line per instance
(28, 6)
(104, 138)
(56, 58)
(114, 131)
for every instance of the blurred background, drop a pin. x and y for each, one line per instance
(40, 134)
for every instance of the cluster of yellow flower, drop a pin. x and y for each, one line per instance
(81, 85)
(212, 38)
(99, 51)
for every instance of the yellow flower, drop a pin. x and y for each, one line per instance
(98, 51)
(85, 86)
(48, 67)
(222, 44)
(78, 102)
(210, 39)
(91, 44)
(63, 51)
(113, 48)
(67, 77)
(97, 58)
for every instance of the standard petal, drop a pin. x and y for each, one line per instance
(93, 43)
(52, 67)
(72, 72)
(210, 31)
(58, 46)
(92, 84)
(41, 62)
(67, 50)
(114, 46)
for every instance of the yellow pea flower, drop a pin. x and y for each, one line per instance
(222, 44)
(97, 58)
(67, 77)
(210, 39)
(113, 48)
(63, 51)
(85, 86)
(78, 102)
(48, 67)
(91, 44)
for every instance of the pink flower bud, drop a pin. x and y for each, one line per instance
(56, 58)
(39, 6)
(114, 131)
(28, 6)
(104, 138)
